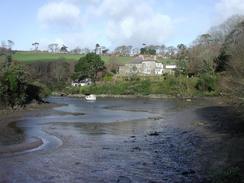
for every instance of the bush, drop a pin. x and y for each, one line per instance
(15, 87)
(108, 77)
(44, 90)
(169, 85)
(207, 83)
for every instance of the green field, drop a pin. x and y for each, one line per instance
(29, 56)
(43, 56)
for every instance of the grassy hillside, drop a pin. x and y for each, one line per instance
(43, 56)
(29, 56)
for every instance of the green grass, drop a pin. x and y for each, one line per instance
(28, 56)
(167, 60)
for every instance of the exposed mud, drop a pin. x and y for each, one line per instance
(122, 140)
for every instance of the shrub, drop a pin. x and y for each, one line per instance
(108, 77)
(15, 87)
(207, 83)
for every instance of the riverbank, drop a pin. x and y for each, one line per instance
(123, 96)
(12, 139)
(179, 86)
(150, 96)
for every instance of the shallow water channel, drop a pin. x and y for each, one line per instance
(111, 140)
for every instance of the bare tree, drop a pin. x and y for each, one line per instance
(10, 44)
(53, 47)
(3, 44)
(64, 49)
(123, 50)
(182, 52)
(77, 50)
(36, 45)
(220, 32)
(202, 54)
(162, 50)
(234, 48)
(85, 51)
(171, 51)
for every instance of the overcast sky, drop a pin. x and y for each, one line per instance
(111, 23)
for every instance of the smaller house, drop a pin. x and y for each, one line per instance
(99, 50)
(170, 69)
(84, 82)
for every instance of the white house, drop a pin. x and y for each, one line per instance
(98, 50)
(159, 69)
(146, 67)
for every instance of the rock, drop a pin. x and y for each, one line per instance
(51, 178)
(155, 118)
(154, 133)
(136, 149)
(144, 164)
(123, 179)
(184, 132)
(189, 172)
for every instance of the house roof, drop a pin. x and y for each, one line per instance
(139, 61)
(136, 61)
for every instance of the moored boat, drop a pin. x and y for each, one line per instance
(90, 97)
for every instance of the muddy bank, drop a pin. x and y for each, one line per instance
(21, 147)
(152, 96)
(228, 122)
(12, 138)
(8, 115)
(224, 118)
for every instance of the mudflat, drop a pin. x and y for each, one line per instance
(125, 140)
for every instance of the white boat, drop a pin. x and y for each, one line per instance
(90, 97)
